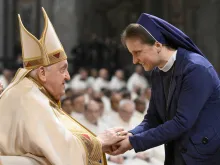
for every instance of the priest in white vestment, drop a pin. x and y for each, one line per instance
(33, 127)
(80, 81)
(113, 112)
(137, 80)
(91, 119)
(140, 111)
(124, 119)
(78, 105)
(102, 81)
(117, 81)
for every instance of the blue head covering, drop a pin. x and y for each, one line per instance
(166, 33)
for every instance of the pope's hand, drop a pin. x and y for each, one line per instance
(111, 136)
(122, 146)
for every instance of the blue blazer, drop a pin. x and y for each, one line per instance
(190, 124)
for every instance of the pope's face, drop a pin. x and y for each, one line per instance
(56, 76)
(143, 54)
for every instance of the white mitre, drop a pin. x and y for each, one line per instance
(43, 52)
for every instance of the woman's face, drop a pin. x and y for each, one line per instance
(144, 54)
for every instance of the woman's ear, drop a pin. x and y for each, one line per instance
(41, 74)
(158, 46)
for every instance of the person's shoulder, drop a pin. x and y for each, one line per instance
(193, 59)
(20, 89)
(197, 63)
(30, 94)
(23, 97)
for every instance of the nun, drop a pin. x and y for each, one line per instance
(184, 110)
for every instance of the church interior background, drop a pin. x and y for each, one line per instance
(79, 21)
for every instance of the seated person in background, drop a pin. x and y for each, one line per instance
(33, 126)
(78, 104)
(124, 119)
(91, 119)
(80, 81)
(114, 100)
(137, 80)
(117, 81)
(101, 81)
(66, 105)
(68, 92)
(140, 108)
(101, 107)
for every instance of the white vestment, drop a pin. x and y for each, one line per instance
(100, 83)
(137, 80)
(31, 125)
(116, 83)
(77, 84)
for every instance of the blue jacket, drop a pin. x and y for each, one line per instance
(191, 123)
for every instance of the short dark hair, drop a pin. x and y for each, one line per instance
(98, 100)
(137, 31)
(68, 90)
(139, 101)
(64, 100)
(76, 95)
(126, 94)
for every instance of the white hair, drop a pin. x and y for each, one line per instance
(126, 101)
(33, 73)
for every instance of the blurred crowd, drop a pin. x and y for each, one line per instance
(99, 101)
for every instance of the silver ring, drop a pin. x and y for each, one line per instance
(118, 134)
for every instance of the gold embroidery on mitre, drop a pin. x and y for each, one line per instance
(46, 51)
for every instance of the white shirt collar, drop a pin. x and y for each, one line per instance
(169, 63)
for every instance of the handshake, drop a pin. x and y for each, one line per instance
(115, 141)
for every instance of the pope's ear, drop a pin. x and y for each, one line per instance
(41, 73)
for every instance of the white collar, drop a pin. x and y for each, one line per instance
(169, 63)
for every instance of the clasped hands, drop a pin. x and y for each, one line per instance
(115, 141)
